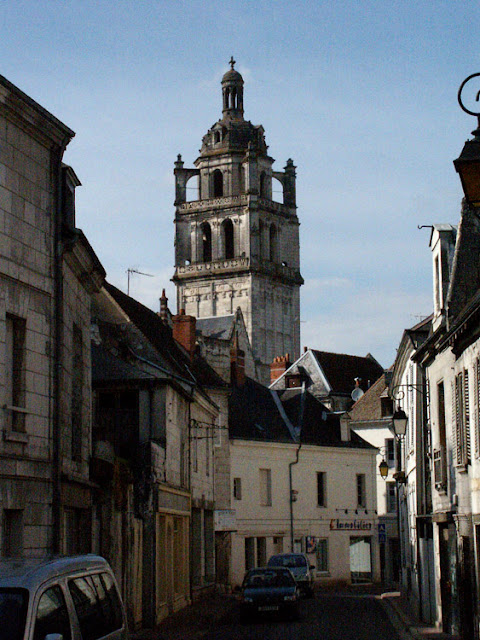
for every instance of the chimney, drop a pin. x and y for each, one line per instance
(345, 433)
(237, 365)
(163, 306)
(279, 365)
(184, 331)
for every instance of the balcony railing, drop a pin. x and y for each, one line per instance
(213, 203)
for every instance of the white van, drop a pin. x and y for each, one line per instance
(72, 598)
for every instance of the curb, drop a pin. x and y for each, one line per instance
(396, 616)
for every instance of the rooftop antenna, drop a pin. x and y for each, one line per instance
(140, 273)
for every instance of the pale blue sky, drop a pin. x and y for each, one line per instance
(362, 95)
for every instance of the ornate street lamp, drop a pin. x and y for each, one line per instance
(468, 163)
(383, 468)
(400, 420)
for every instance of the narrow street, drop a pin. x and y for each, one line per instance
(329, 617)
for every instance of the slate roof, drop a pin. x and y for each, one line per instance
(160, 336)
(342, 369)
(253, 415)
(107, 366)
(319, 426)
(219, 327)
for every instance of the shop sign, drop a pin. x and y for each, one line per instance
(225, 520)
(350, 525)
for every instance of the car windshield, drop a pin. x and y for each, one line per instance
(287, 561)
(13, 612)
(266, 579)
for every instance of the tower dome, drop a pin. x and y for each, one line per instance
(232, 91)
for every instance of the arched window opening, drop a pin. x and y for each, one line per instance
(217, 136)
(277, 191)
(263, 185)
(217, 183)
(273, 243)
(193, 189)
(228, 241)
(226, 98)
(206, 242)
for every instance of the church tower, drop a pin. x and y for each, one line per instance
(237, 245)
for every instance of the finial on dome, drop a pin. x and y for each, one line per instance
(232, 62)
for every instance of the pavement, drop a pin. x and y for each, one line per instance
(401, 614)
(195, 621)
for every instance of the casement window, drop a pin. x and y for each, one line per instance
(77, 392)
(322, 555)
(440, 450)
(390, 451)
(15, 372)
(265, 487)
(391, 496)
(321, 489)
(361, 491)
(461, 411)
(237, 488)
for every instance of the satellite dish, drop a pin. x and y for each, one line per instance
(357, 393)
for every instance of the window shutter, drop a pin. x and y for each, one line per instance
(455, 408)
(477, 408)
(466, 422)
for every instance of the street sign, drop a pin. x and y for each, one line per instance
(382, 533)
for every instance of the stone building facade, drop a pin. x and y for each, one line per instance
(48, 272)
(235, 246)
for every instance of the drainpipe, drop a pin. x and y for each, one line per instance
(291, 464)
(57, 350)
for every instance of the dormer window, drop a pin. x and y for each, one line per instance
(437, 284)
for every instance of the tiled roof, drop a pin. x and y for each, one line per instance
(342, 369)
(369, 406)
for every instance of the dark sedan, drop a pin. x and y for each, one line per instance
(269, 590)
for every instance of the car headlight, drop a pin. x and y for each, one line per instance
(290, 598)
(247, 599)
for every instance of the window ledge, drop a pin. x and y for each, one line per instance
(15, 409)
(15, 436)
(462, 468)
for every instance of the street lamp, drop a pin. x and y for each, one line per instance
(383, 468)
(467, 164)
(400, 420)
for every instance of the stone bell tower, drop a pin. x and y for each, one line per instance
(237, 246)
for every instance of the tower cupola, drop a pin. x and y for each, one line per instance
(232, 92)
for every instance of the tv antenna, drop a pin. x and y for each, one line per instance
(140, 273)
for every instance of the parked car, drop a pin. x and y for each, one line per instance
(301, 569)
(267, 590)
(71, 598)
